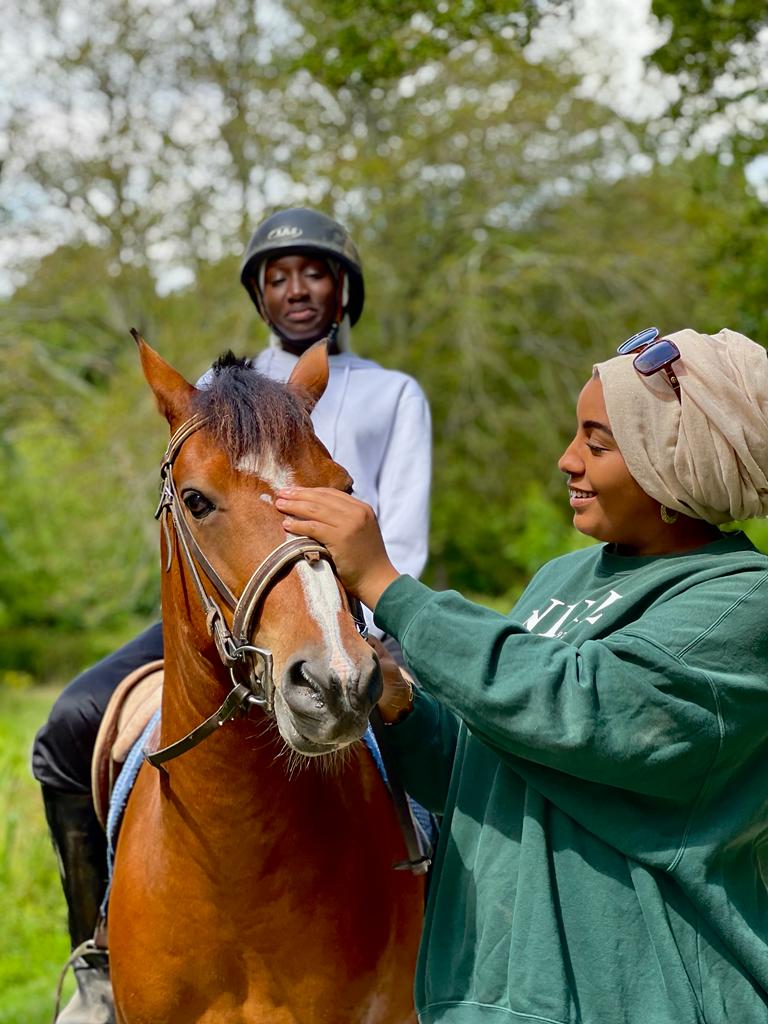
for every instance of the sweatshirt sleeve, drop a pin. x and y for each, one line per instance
(404, 482)
(621, 712)
(423, 747)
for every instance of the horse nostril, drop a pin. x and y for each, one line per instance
(366, 688)
(306, 686)
(310, 687)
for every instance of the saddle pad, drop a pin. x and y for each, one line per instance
(131, 706)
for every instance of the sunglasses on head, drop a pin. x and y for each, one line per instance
(652, 354)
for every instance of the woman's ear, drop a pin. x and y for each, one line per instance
(309, 377)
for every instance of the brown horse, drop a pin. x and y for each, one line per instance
(254, 879)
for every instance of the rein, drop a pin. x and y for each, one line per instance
(250, 667)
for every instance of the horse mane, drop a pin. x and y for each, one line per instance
(249, 413)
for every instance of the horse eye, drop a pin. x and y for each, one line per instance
(197, 504)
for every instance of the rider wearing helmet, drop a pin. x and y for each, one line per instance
(304, 275)
(303, 272)
(307, 232)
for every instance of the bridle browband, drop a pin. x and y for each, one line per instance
(250, 667)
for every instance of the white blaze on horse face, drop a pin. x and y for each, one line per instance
(266, 468)
(317, 580)
(324, 604)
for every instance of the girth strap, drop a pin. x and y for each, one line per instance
(419, 860)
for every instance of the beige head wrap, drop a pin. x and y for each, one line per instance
(706, 456)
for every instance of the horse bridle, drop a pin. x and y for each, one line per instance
(242, 657)
(250, 667)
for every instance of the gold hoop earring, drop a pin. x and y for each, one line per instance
(668, 516)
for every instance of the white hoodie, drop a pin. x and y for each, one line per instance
(376, 424)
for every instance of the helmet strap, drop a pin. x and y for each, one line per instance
(342, 291)
(342, 295)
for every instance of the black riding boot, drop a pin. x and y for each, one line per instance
(81, 846)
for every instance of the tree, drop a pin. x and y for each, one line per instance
(717, 51)
(150, 131)
(508, 238)
(78, 543)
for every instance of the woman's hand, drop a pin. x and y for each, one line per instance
(349, 530)
(396, 700)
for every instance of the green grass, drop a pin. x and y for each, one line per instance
(33, 937)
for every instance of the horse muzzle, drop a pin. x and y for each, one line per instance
(320, 708)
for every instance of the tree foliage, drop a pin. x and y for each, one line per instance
(513, 231)
(718, 53)
(359, 48)
(704, 37)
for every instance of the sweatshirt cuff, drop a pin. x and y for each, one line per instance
(399, 605)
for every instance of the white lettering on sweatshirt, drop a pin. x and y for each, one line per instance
(555, 629)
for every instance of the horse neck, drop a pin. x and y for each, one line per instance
(195, 680)
(240, 798)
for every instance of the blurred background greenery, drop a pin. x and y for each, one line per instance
(529, 183)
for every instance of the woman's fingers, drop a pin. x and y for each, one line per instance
(318, 501)
(321, 509)
(348, 528)
(397, 696)
(316, 511)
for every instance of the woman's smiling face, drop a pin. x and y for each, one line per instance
(608, 504)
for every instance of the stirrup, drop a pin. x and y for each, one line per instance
(86, 948)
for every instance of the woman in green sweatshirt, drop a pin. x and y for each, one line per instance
(600, 755)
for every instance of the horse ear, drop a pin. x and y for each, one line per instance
(172, 391)
(309, 377)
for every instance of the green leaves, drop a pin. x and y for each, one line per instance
(717, 52)
(512, 228)
(704, 37)
(376, 44)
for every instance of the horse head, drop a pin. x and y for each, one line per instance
(234, 443)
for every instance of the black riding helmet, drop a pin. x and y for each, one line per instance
(302, 230)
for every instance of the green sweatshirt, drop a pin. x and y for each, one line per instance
(601, 761)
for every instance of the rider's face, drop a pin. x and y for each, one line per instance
(300, 299)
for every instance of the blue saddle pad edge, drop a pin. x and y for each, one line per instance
(425, 820)
(119, 798)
